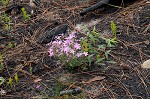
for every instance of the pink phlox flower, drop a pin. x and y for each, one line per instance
(51, 53)
(54, 42)
(68, 42)
(61, 49)
(71, 36)
(58, 43)
(72, 51)
(78, 54)
(85, 53)
(77, 46)
(66, 50)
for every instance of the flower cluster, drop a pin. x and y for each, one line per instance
(66, 48)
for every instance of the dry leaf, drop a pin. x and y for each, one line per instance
(94, 79)
(37, 80)
(146, 64)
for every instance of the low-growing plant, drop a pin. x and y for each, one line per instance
(10, 80)
(1, 80)
(25, 15)
(31, 70)
(113, 29)
(5, 21)
(95, 46)
(98, 46)
(16, 78)
(5, 3)
(73, 51)
(12, 44)
(68, 51)
(110, 42)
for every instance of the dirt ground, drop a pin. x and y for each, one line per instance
(40, 77)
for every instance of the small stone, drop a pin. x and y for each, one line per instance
(147, 42)
(2, 92)
(146, 64)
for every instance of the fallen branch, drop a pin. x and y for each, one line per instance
(94, 7)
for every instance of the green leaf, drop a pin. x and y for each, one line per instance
(94, 32)
(6, 18)
(6, 26)
(108, 41)
(1, 58)
(1, 80)
(91, 48)
(25, 15)
(92, 38)
(15, 44)
(99, 60)
(113, 28)
(31, 70)
(4, 2)
(113, 40)
(101, 47)
(94, 29)
(89, 59)
(10, 82)
(85, 45)
(10, 45)
(107, 53)
(6, 21)
(16, 78)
